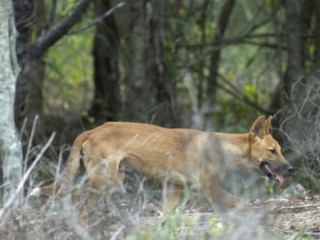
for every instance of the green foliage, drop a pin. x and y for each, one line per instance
(45, 173)
(68, 81)
(173, 227)
(69, 73)
(249, 69)
(300, 235)
(218, 227)
(178, 226)
(190, 31)
(270, 186)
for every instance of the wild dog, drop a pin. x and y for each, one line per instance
(174, 156)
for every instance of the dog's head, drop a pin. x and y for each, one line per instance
(266, 153)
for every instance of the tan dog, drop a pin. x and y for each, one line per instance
(173, 156)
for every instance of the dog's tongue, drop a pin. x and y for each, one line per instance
(279, 178)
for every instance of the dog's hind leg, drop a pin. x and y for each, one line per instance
(103, 178)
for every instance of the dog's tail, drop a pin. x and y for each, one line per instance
(70, 171)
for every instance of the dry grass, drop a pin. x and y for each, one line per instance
(134, 213)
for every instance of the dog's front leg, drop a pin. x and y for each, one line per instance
(171, 195)
(222, 200)
(234, 202)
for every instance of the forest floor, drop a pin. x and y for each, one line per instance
(297, 216)
(135, 217)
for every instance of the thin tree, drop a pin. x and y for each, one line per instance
(106, 104)
(222, 25)
(10, 146)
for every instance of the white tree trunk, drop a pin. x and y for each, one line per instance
(10, 147)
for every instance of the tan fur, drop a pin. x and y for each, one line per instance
(173, 156)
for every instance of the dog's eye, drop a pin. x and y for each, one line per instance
(273, 151)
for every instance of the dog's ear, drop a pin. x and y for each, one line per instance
(267, 124)
(258, 128)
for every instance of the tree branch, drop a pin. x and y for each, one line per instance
(56, 33)
(266, 45)
(236, 93)
(98, 19)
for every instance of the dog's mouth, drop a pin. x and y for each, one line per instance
(272, 173)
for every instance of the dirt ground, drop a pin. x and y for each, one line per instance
(289, 214)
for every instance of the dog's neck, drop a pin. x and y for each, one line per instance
(236, 148)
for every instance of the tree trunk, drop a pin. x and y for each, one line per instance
(306, 19)
(36, 73)
(23, 13)
(10, 147)
(157, 69)
(223, 20)
(140, 91)
(289, 95)
(294, 40)
(106, 104)
(316, 56)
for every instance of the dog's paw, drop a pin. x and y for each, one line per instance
(243, 205)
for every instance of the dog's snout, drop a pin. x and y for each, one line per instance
(291, 170)
(286, 169)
